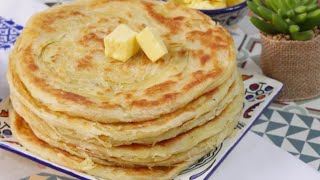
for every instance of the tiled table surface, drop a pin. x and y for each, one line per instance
(295, 127)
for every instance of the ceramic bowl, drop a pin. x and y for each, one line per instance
(228, 16)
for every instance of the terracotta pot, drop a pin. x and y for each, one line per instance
(296, 64)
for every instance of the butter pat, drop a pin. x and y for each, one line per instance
(151, 44)
(121, 44)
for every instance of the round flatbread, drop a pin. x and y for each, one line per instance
(60, 59)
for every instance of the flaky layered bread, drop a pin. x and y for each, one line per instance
(195, 113)
(138, 119)
(40, 148)
(60, 60)
(161, 153)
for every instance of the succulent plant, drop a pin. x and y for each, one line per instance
(296, 18)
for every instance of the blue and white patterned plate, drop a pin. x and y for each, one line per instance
(260, 91)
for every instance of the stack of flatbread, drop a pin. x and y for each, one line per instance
(123, 120)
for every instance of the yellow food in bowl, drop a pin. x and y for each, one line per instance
(233, 2)
(208, 4)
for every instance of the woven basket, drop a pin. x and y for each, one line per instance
(296, 64)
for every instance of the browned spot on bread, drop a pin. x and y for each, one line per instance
(88, 38)
(160, 62)
(178, 18)
(178, 75)
(100, 93)
(33, 67)
(85, 63)
(28, 58)
(158, 88)
(61, 93)
(100, 3)
(200, 76)
(209, 93)
(129, 14)
(219, 39)
(108, 105)
(183, 52)
(54, 58)
(164, 99)
(45, 21)
(107, 90)
(93, 51)
(72, 97)
(129, 96)
(173, 24)
(103, 20)
(204, 59)
(94, 4)
(40, 82)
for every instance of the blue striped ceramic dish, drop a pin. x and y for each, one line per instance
(227, 16)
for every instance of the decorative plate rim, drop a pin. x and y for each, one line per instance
(242, 135)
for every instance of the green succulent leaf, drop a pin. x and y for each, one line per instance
(296, 18)
(257, 2)
(300, 18)
(294, 28)
(253, 7)
(282, 5)
(309, 2)
(312, 7)
(315, 14)
(263, 26)
(298, 2)
(291, 13)
(302, 36)
(288, 3)
(293, 3)
(289, 21)
(305, 2)
(271, 5)
(279, 23)
(313, 2)
(282, 13)
(265, 13)
(300, 9)
(313, 20)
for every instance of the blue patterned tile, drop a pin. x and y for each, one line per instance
(315, 146)
(286, 116)
(313, 134)
(297, 144)
(274, 125)
(259, 121)
(307, 159)
(295, 130)
(277, 140)
(295, 154)
(258, 133)
(268, 113)
(307, 120)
